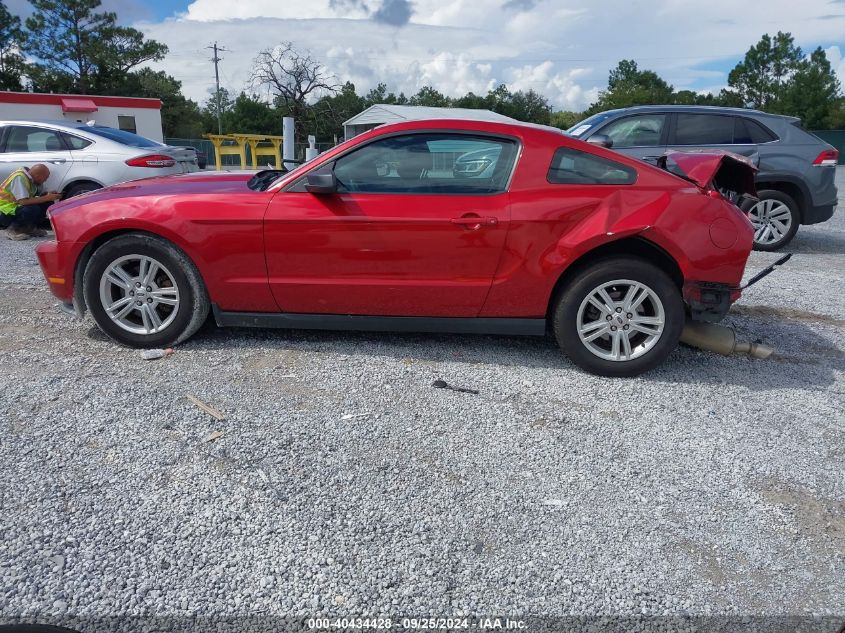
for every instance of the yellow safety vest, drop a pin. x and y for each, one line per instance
(8, 203)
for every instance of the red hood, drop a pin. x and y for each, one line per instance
(193, 183)
(734, 171)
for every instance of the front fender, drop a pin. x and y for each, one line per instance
(221, 234)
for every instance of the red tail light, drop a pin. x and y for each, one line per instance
(828, 158)
(153, 160)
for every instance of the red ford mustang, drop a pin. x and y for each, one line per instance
(427, 226)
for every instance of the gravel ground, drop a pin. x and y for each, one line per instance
(344, 483)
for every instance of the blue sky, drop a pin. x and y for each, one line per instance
(128, 11)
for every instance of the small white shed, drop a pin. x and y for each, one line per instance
(382, 113)
(132, 114)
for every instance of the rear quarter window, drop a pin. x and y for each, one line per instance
(572, 167)
(747, 131)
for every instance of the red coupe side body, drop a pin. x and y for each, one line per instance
(434, 245)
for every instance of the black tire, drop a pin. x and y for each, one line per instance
(565, 323)
(193, 304)
(83, 187)
(795, 218)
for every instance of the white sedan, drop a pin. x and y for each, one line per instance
(84, 157)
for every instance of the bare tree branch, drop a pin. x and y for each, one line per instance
(294, 78)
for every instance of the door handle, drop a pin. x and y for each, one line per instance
(57, 161)
(474, 220)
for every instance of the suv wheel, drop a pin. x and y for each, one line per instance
(775, 219)
(620, 317)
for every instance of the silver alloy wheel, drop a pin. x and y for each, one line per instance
(139, 294)
(771, 219)
(621, 320)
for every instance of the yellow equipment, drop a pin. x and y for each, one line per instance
(236, 145)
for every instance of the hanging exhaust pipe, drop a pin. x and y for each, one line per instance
(721, 339)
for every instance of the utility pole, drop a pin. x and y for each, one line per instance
(216, 60)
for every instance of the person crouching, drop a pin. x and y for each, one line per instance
(21, 208)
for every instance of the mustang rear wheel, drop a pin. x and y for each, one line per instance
(143, 291)
(619, 317)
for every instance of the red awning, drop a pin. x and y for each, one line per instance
(78, 105)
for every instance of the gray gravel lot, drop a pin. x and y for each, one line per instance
(710, 486)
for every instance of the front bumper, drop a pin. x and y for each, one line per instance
(56, 260)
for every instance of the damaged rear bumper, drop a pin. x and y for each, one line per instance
(709, 301)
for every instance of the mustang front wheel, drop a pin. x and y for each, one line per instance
(144, 292)
(619, 317)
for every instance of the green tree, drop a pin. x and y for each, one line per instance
(531, 107)
(687, 97)
(209, 110)
(472, 101)
(812, 91)
(379, 94)
(428, 96)
(627, 86)
(327, 115)
(498, 99)
(565, 119)
(73, 43)
(251, 115)
(836, 116)
(12, 66)
(760, 79)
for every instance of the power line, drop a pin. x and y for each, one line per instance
(217, 59)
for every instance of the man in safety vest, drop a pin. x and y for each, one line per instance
(21, 208)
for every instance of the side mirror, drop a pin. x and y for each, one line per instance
(321, 181)
(603, 140)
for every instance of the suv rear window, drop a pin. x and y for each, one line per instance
(571, 167)
(704, 129)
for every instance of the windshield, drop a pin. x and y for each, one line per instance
(579, 129)
(119, 136)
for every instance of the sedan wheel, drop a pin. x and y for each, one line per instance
(139, 294)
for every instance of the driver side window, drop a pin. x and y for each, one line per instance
(644, 130)
(444, 163)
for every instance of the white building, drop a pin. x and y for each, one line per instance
(132, 114)
(382, 113)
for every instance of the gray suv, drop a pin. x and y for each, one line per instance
(795, 181)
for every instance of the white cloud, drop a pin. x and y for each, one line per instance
(562, 50)
(837, 62)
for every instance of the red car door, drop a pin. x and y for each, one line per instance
(416, 228)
